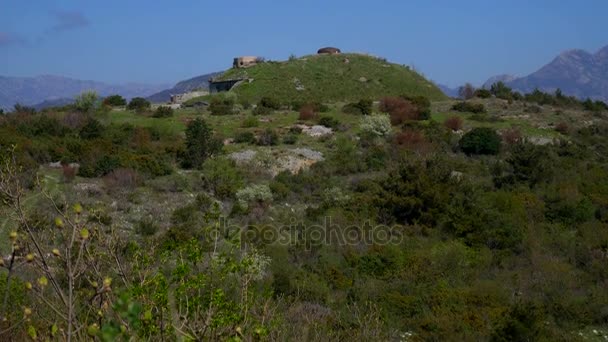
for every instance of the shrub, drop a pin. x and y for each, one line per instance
(533, 109)
(147, 227)
(481, 140)
(92, 129)
(422, 104)
(260, 110)
(483, 93)
(86, 102)
(21, 109)
(163, 112)
(121, 179)
(376, 125)
(409, 138)
(269, 102)
(68, 172)
(222, 177)
(222, 106)
(255, 194)
(329, 122)
(363, 107)
(250, 121)
(512, 136)
(290, 139)
(454, 123)
(307, 112)
(114, 101)
(399, 109)
(467, 91)
(200, 144)
(562, 128)
(468, 107)
(139, 104)
(245, 137)
(500, 90)
(268, 138)
(245, 103)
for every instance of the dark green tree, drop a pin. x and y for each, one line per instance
(139, 104)
(91, 130)
(481, 140)
(115, 101)
(200, 144)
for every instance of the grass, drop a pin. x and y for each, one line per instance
(331, 78)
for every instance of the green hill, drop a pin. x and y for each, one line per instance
(344, 77)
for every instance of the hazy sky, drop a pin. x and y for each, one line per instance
(165, 41)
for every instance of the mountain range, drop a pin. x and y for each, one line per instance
(199, 82)
(576, 72)
(35, 91)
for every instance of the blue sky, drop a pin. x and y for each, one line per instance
(451, 42)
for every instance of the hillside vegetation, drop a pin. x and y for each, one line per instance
(331, 78)
(476, 220)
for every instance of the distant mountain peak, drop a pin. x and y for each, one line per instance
(602, 53)
(576, 72)
(37, 89)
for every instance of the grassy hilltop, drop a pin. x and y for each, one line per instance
(330, 78)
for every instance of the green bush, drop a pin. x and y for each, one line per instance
(268, 138)
(92, 129)
(468, 107)
(163, 112)
(250, 121)
(261, 110)
(290, 139)
(147, 227)
(115, 101)
(222, 106)
(269, 102)
(329, 122)
(222, 177)
(483, 93)
(139, 104)
(200, 144)
(254, 194)
(245, 137)
(481, 140)
(363, 107)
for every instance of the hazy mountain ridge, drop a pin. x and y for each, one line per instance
(576, 72)
(36, 90)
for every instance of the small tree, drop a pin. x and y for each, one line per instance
(481, 140)
(114, 101)
(139, 104)
(86, 102)
(200, 144)
(467, 91)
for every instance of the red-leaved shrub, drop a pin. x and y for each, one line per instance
(69, 172)
(511, 136)
(563, 128)
(454, 123)
(307, 112)
(399, 109)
